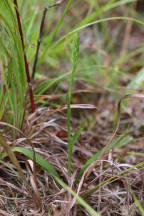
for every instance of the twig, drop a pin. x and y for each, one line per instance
(41, 34)
(25, 58)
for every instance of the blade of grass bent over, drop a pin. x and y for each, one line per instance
(109, 5)
(78, 29)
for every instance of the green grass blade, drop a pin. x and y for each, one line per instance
(71, 144)
(137, 202)
(94, 157)
(55, 30)
(78, 29)
(91, 211)
(10, 153)
(98, 12)
(15, 83)
(108, 6)
(48, 167)
(112, 179)
(75, 53)
(39, 159)
(138, 80)
(124, 141)
(43, 86)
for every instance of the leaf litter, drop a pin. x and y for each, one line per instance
(49, 137)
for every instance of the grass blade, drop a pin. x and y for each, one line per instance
(15, 83)
(94, 157)
(91, 211)
(44, 163)
(112, 179)
(55, 30)
(78, 29)
(137, 202)
(39, 159)
(10, 153)
(138, 80)
(75, 52)
(71, 144)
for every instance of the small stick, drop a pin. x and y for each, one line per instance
(41, 34)
(25, 59)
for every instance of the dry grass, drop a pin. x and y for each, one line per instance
(48, 134)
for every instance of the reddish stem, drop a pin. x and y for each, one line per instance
(25, 59)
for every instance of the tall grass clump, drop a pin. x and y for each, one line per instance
(14, 66)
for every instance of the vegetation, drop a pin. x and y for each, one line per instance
(71, 97)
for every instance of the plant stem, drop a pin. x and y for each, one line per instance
(41, 34)
(25, 59)
(38, 43)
